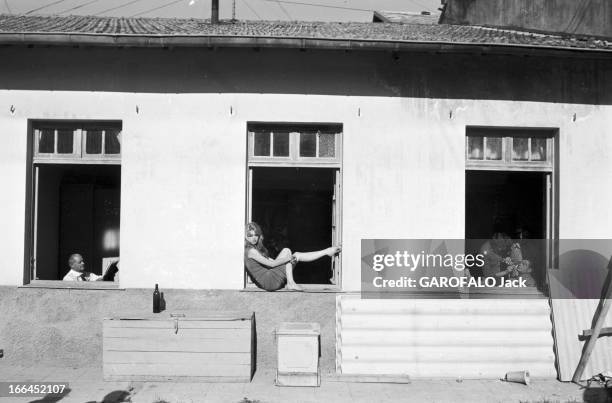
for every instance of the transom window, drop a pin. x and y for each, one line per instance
(294, 144)
(77, 142)
(488, 148)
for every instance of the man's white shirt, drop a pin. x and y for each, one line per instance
(74, 275)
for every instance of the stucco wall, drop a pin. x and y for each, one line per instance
(183, 189)
(12, 197)
(63, 328)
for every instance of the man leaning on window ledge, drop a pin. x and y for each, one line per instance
(77, 272)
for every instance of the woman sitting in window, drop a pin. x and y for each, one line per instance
(274, 274)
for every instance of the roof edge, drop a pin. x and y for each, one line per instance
(158, 41)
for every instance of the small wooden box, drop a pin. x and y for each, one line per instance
(188, 347)
(298, 351)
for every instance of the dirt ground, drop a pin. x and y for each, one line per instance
(86, 385)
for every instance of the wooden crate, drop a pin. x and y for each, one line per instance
(194, 347)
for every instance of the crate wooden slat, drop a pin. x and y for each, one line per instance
(164, 357)
(169, 324)
(186, 332)
(177, 344)
(196, 347)
(202, 369)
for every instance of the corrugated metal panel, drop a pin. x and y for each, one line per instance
(571, 317)
(474, 338)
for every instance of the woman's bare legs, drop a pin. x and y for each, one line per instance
(304, 257)
(291, 284)
(310, 256)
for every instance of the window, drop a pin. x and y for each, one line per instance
(511, 196)
(77, 143)
(508, 149)
(271, 143)
(294, 178)
(294, 144)
(103, 142)
(75, 198)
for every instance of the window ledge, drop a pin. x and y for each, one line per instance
(528, 292)
(74, 285)
(312, 289)
(460, 293)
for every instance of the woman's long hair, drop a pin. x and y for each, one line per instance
(253, 226)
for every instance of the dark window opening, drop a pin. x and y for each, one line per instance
(512, 205)
(294, 207)
(78, 211)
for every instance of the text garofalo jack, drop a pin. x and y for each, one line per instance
(440, 267)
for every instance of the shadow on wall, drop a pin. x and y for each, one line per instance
(584, 79)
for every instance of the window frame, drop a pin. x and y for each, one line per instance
(270, 157)
(44, 157)
(79, 142)
(103, 155)
(507, 163)
(294, 160)
(34, 161)
(550, 167)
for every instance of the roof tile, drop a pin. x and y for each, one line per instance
(387, 32)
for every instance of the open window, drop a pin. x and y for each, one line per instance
(75, 199)
(294, 182)
(510, 195)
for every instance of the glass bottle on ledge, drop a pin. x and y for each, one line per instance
(156, 300)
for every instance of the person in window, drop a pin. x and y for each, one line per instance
(505, 259)
(273, 274)
(77, 270)
(495, 252)
(516, 266)
(523, 256)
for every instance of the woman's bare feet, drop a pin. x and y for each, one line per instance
(333, 250)
(293, 287)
